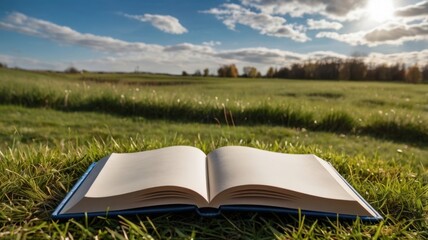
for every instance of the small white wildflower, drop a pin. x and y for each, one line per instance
(178, 100)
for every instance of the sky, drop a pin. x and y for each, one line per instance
(171, 36)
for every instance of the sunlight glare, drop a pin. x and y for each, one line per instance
(381, 10)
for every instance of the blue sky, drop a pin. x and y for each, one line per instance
(175, 35)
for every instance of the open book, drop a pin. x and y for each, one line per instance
(230, 178)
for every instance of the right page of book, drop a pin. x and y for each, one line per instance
(244, 175)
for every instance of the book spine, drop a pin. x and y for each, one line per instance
(290, 211)
(147, 211)
(208, 212)
(57, 211)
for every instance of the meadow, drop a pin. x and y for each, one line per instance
(53, 125)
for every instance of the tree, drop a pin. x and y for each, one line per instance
(3, 65)
(370, 75)
(271, 72)
(206, 72)
(413, 74)
(283, 72)
(398, 72)
(197, 73)
(297, 71)
(184, 73)
(382, 73)
(328, 68)
(357, 69)
(228, 71)
(425, 73)
(71, 70)
(250, 72)
(233, 71)
(222, 71)
(309, 70)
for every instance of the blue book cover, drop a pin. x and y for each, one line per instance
(88, 179)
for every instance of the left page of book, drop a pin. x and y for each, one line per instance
(171, 175)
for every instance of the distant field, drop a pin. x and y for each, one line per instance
(364, 100)
(52, 125)
(386, 110)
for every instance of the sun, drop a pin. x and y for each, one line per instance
(380, 10)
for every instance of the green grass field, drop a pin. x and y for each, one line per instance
(53, 125)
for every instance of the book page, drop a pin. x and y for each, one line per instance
(235, 166)
(177, 166)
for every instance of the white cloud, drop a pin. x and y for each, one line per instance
(398, 33)
(323, 24)
(31, 63)
(408, 58)
(201, 49)
(21, 23)
(126, 56)
(266, 24)
(212, 43)
(265, 56)
(350, 38)
(333, 9)
(165, 23)
(323, 54)
(417, 10)
(391, 33)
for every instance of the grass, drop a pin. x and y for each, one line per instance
(52, 126)
(29, 126)
(35, 179)
(49, 92)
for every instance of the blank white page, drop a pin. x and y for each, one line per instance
(180, 166)
(235, 166)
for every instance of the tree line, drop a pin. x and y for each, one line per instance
(326, 69)
(330, 69)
